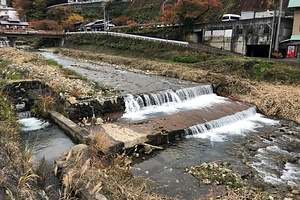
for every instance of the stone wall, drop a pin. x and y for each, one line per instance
(27, 91)
(79, 110)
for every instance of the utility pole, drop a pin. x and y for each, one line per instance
(278, 27)
(272, 35)
(104, 15)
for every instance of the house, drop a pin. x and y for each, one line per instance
(13, 24)
(293, 47)
(7, 12)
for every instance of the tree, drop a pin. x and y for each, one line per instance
(68, 24)
(45, 25)
(59, 14)
(187, 12)
(30, 9)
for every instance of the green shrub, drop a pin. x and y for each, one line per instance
(186, 59)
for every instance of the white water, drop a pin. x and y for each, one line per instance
(4, 43)
(44, 139)
(270, 166)
(164, 98)
(238, 124)
(32, 124)
(199, 102)
(189, 93)
(169, 102)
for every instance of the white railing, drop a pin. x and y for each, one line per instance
(138, 37)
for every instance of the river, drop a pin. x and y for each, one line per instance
(272, 149)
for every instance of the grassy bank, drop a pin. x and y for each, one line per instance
(196, 57)
(18, 178)
(272, 86)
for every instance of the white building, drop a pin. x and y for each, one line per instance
(7, 12)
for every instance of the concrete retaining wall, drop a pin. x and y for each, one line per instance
(75, 132)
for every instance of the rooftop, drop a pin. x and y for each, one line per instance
(294, 4)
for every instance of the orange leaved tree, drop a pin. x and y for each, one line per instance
(45, 25)
(187, 12)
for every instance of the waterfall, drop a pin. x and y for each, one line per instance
(3, 43)
(24, 114)
(189, 93)
(135, 103)
(207, 126)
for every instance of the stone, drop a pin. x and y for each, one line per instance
(72, 100)
(295, 192)
(99, 121)
(99, 196)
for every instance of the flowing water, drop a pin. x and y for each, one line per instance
(4, 43)
(276, 159)
(209, 141)
(45, 139)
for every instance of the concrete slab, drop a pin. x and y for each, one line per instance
(153, 131)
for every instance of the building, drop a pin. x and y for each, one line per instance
(13, 24)
(7, 12)
(254, 35)
(293, 44)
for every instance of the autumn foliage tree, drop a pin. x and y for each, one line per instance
(45, 25)
(187, 12)
(30, 9)
(68, 24)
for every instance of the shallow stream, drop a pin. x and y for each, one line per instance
(272, 147)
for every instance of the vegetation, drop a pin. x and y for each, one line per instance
(220, 174)
(18, 179)
(85, 172)
(206, 58)
(187, 12)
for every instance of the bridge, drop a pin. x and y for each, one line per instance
(13, 34)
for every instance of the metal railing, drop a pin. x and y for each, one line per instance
(138, 37)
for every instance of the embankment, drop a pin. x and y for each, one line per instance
(271, 86)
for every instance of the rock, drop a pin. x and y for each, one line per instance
(147, 149)
(99, 121)
(295, 192)
(99, 196)
(72, 100)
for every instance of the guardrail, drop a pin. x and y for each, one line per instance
(27, 31)
(139, 37)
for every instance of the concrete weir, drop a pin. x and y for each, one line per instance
(208, 111)
(162, 129)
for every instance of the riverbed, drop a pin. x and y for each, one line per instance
(272, 151)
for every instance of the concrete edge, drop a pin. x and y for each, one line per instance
(75, 132)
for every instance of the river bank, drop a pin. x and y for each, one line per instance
(274, 100)
(220, 82)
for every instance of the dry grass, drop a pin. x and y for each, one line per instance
(276, 100)
(17, 175)
(84, 173)
(227, 193)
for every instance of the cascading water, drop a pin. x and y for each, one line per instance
(189, 93)
(45, 139)
(169, 102)
(238, 123)
(4, 43)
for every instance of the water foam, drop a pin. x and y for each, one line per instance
(238, 124)
(164, 98)
(271, 167)
(171, 107)
(32, 124)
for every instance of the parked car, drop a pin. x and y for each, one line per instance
(98, 25)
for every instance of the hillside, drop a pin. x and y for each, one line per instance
(145, 11)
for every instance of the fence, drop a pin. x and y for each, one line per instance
(138, 37)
